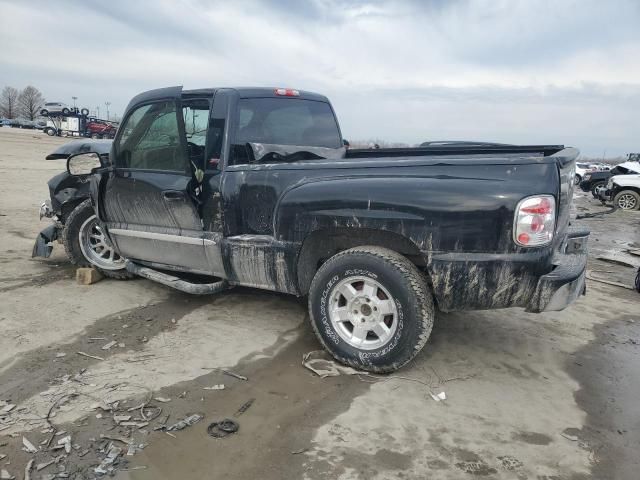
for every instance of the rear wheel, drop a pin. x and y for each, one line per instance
(627, 200)
(371, 308)
(577, 179)
(86, 244)
(66, 111)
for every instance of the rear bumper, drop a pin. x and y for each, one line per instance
(566, 282)
(490, 281)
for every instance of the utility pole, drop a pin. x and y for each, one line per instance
(97, 111)
(107, 105)
(74, 101)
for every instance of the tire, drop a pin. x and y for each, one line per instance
(84, 111)
(577, 179)
(593, 188)
(44, 112)
(50, 131)
(66, 111)
(95, 136)
(401, 289)
(627, 200)
(78, 226)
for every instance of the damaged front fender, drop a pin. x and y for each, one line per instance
(44, 242)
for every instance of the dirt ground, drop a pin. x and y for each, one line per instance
(545, 397)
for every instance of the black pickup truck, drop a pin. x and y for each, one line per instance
(206, 189)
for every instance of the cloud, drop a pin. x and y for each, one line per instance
(546, 71)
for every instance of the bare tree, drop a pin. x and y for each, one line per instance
(9, 102)
(30, 102)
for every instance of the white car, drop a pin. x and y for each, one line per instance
(581, 169)
(623, 191)
(55, 107)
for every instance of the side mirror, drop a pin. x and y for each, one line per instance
(83, 164)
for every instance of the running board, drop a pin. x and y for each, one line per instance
(176, 282)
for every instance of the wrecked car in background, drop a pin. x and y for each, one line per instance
(73, 220)
(623, 191)
(206, 189)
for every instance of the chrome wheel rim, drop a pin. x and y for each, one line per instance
(363, 313)
(95, 247)
(627, 202)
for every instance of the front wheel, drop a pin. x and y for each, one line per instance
(87, 246)
(577, 179)
(627, 200)
(371, 308)
(595, 187)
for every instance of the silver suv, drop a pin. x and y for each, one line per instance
(55, 107)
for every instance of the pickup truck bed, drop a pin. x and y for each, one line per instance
(268, 198)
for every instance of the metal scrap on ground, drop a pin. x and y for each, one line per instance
(186, 422)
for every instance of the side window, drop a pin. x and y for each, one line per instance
(151, 139)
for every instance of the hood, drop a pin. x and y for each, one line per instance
(626, 180)
(101, 147)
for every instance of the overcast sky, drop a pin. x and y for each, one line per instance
(509, 71)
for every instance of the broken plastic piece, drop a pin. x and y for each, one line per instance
(439, 397)
(162, 399)
(215, 387)
(28, 446)
(320, 363)
(4, 475)
(109, 345)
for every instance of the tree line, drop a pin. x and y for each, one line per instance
(25, 103)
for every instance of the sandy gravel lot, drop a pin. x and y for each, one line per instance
(541, 397)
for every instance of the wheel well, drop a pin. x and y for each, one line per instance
(321, 245)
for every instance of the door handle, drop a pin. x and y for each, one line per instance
(173, 195)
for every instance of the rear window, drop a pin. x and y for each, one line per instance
(283, 121)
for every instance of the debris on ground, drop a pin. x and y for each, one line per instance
(298, 452)
(95, 357)
(214, 387)
(5, 475)
(245, 406)
(28, 446)
(572, 438)
(65, 443)
(106, 466)
(223, 428)
(60, 354)
(43, 465)
(186, 422)
(320, 363)
(591, 275)
(440, 397)
(27, 469)
(162, 399)
(109, 345)
(235, 375)
(7, 408)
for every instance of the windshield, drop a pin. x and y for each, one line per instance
(303, 124)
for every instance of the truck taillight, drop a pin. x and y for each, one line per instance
(287, 92)
(535, 221)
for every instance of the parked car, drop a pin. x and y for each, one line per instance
(56, 107)
(207, 189)
(73, 220)
(581, 169)
(594, 180)
(623, 191)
